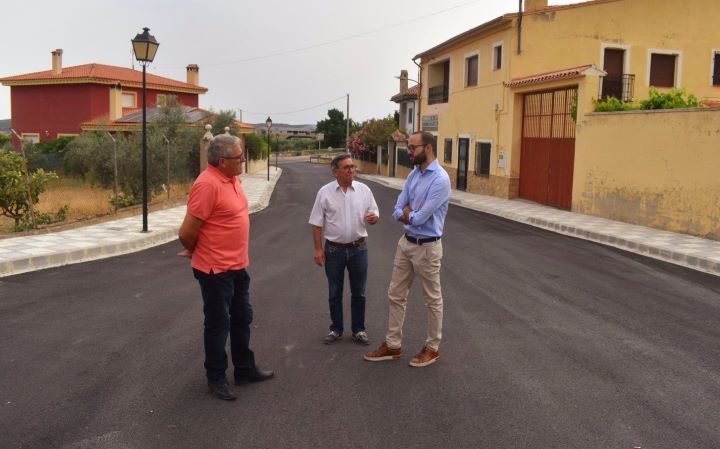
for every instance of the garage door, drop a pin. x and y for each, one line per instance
(547, 150)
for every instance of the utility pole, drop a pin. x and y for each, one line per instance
(347, 125)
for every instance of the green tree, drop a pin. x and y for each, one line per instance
(255, 146)
(183, 137)
(374, 132)
(334, 128)
(378, 131)
(47, 154)
(222, 119)
(5, 141)
(14, 201)
(170, 140)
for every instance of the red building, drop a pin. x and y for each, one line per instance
(54, 103)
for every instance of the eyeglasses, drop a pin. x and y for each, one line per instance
(348, 168)
(242, 157)
(411, 147)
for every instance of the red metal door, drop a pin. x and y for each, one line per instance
(547, 152)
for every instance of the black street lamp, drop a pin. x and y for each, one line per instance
(145, 46)
(268, 123)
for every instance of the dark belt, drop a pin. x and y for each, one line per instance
(421, 241)
(347, 245)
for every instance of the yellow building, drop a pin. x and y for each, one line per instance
(511, 100)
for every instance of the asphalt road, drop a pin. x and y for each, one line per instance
(549, 342)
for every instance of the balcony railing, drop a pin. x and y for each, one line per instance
(438, 94)
(618, 86)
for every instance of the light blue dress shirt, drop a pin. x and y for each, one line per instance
(428, 194)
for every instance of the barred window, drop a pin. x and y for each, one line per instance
(448, 151)
(482, 158)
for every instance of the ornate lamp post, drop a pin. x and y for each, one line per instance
(145, 46)
(268, 123)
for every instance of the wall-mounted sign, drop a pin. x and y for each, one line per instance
(430, 122)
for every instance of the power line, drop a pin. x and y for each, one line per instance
(293, 112)
(334, 41)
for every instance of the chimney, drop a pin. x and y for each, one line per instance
(532, 5)
(115, 102)
(193, 74)
(403, 81)
(57, 61)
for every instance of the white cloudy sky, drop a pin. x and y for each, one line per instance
(266, 57)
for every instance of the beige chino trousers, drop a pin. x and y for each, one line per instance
(424, 261)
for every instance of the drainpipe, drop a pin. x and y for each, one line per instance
(419, 120)
(520, 17)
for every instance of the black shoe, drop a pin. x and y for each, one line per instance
(332, 338)
(220, 390)
(361, 338)
(257, 376)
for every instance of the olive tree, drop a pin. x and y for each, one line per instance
(14, 201)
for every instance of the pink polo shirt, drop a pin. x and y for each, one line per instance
(221, 204)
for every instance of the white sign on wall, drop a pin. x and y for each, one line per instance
(430, 122)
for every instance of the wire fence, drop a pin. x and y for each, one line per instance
(99, 175)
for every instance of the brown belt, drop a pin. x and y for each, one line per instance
(347, 245)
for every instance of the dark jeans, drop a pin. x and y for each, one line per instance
(227, 309)
(355, 260)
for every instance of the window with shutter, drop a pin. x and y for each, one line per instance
(662, 70)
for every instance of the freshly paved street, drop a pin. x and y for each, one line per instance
(549, 341)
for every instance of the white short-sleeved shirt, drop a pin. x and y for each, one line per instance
(340, 214)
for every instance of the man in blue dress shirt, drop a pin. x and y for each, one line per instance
(421, 207)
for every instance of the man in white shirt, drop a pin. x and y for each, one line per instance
(341, 209)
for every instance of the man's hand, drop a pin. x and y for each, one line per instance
(406, 214)
(319, 257)
(185, 253)
(189, 231)
(371, 218)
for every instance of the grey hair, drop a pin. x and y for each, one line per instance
(221, 146)
(335, 164)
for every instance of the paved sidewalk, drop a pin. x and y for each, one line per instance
(112, 238)
(681, 249)
(28, 253)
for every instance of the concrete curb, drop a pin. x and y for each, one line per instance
(101, 251)
(164, 229)
(668, 253)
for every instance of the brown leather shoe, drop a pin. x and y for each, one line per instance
(383, 353)
(425, 357)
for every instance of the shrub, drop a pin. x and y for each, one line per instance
(675, 99)
(255, 146)
(14, 201)
(611, 104)
(43, 218)
(125, 200)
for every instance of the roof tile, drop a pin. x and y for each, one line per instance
(571, 72)
(102, 73)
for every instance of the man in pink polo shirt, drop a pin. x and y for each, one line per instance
(215, 233)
